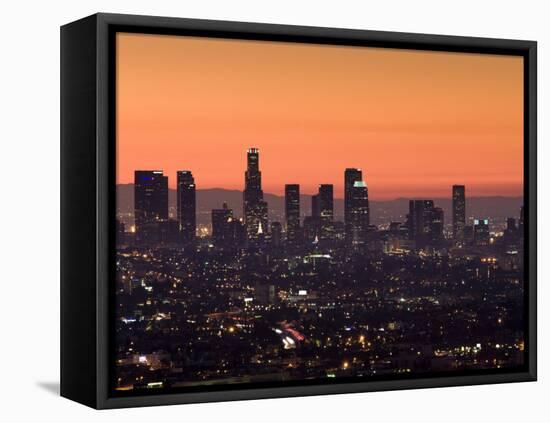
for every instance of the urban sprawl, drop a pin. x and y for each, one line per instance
(249, 300)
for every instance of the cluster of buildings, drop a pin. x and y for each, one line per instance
(153, 226)
(424, 227)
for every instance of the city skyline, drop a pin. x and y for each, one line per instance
(339, 187)
(424, 224)
(406, 143)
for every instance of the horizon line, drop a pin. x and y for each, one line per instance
(342, 198)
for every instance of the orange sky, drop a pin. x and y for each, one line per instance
(415, 122)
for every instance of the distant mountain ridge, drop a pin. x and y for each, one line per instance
(496, 207)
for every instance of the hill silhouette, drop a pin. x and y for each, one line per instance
(498, 208)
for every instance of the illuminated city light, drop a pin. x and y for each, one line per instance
(300, 294)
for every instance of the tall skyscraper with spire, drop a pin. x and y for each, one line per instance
(254, 206)
(186, 206)
(459, 212)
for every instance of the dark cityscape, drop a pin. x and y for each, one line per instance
(248, 298)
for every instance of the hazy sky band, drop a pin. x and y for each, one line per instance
(415, 122)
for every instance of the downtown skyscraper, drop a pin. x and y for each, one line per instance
(254, 206)
(351, 175)
(150, 202)
(482, 235)
(326, 210)
(359, 214)
(221, 224)
(459, 212)
(292, 211)
(425, 223)
(186, 206)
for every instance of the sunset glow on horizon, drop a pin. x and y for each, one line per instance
(415, 122)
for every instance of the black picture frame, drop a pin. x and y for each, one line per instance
(88, 195)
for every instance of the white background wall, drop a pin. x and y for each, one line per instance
(29, 207)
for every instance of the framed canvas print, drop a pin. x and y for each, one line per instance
(256, 211)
